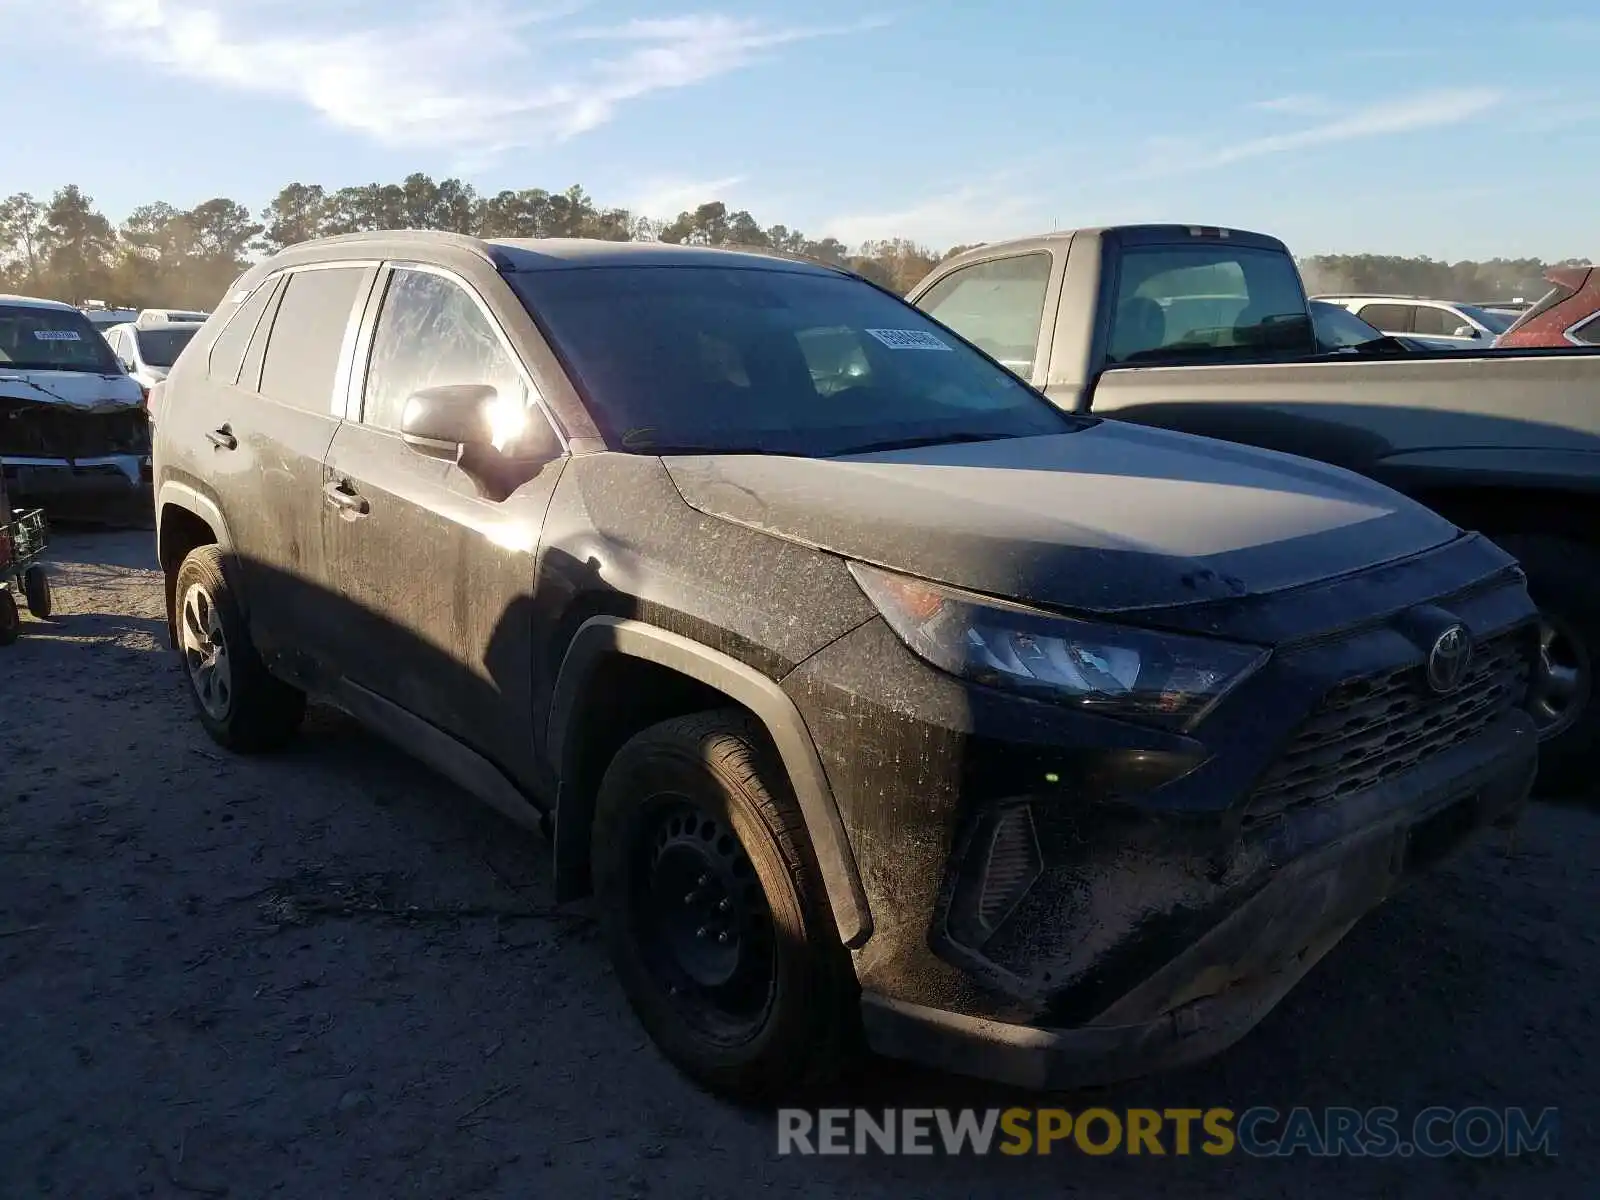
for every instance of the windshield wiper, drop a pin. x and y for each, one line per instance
(912, 443)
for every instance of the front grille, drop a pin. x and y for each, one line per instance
(29, 430)
(1372, 729)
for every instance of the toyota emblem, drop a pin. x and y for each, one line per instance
(1447, 661)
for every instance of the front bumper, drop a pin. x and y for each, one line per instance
(112, 484)
(1059, 897)
(1216, 991)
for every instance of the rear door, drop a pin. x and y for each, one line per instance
(266, 440)
(435, 578)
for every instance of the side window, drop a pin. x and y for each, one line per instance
(227, 352)
(1388, 318)
(430, 332)
(996, 306)
(1587, 334)
(114, 340)
(307, 335)
(1436, 322)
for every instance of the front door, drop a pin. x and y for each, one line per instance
(437, 577)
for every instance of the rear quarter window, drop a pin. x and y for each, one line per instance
(227, 352)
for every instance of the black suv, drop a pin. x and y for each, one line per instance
(869, 693)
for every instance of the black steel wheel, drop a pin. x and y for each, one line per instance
(706, 933)
(713, 910)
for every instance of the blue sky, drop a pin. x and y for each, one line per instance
(1454, 128)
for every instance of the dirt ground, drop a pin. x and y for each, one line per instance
(328, 973)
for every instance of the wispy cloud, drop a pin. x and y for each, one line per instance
(1425, 110)
(970, 213)
(669, 197)
(1298, 105)
(450, 74)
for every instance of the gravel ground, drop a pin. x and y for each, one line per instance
(329, 973)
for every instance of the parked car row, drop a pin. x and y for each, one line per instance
(879, 688)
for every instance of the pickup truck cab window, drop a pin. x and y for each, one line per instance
(996, 306)
(1206, 301)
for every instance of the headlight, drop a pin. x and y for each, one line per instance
(1161, 678)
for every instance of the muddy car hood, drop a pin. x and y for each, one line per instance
(1112, 518)
(70, 389)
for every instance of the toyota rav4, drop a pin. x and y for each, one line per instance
(878, 702)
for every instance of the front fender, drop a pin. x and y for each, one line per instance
(605, 635)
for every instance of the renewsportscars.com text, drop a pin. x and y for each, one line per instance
(1260, 1132)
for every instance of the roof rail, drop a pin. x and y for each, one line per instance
(461, 240)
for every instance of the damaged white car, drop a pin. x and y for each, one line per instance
(74, 436)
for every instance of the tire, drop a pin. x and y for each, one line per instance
(678, 790)
(1564, 580)
(10, 618)
(241, 705)
(36, 589)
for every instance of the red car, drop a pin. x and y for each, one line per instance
(1568, 315)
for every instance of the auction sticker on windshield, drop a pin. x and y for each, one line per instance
(56, 335)
(908, 339)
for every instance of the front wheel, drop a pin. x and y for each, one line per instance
(36, 589)
(1564, 581)
(241, 705)
(713, 912)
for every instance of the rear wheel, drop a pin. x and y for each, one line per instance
(1564, 580)
(241, 704)
(713, 912)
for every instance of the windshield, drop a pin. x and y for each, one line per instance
(1494, 322)
(52, 339)
(161, 347)
(1206, 303)
(719, 359)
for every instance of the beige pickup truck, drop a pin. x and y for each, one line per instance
(1209, 331)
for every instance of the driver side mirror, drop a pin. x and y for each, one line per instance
(1465, 331)
(498, 443)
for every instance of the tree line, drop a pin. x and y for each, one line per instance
(64, 248)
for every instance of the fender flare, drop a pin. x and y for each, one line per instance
(601, 636)
(195, 502)
(185, 496)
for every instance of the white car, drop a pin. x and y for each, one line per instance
(147, 349)
(1436, 324)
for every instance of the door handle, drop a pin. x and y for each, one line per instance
(341, 497)
(222, 438)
